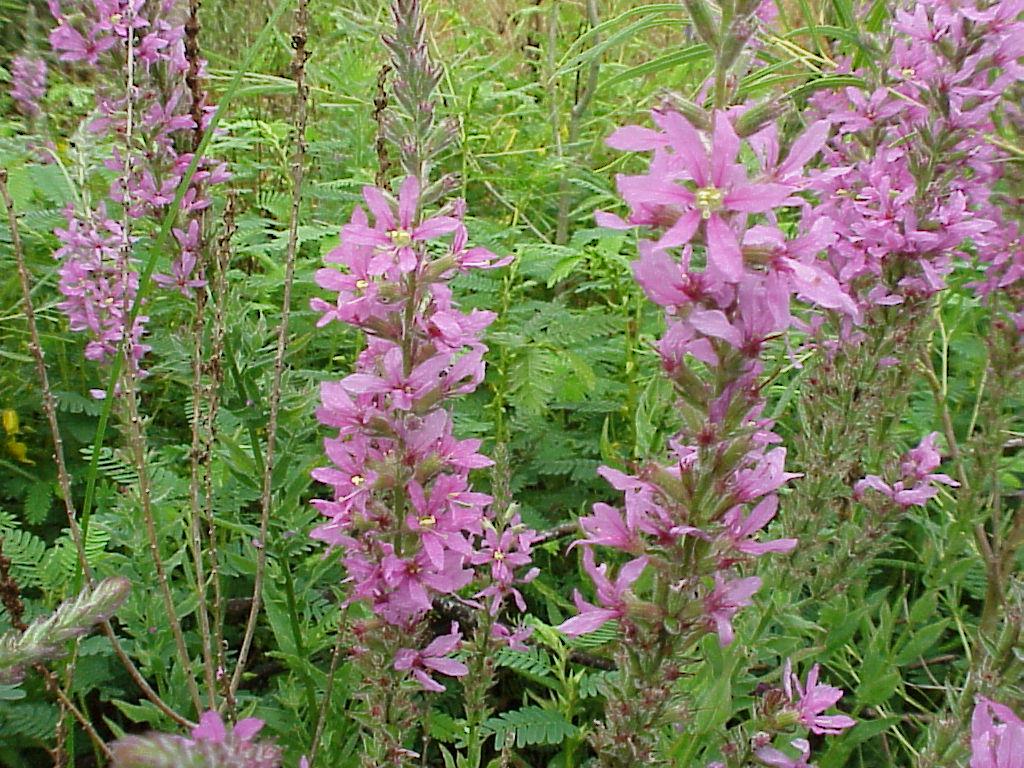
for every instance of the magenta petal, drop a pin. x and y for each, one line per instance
(611, 221)
(408, 201)
(427, 681)
(591, 621)
(635, 138)
(449, 667)
(405, 658)
(687, 144)
(724, 254)
(757, 198)
(713, 322)
(831, 724)
(725, 146)
(805, 147)
(629, 573)
(210, 728)
(435, 227)
(682, 231)
(379, 207)
(248, 727)
(363, 383)
(814, 284)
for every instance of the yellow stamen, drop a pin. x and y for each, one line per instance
(400, 238)
(709, 200)
(428, 521)
(358, 480)
(499, 555)
(361, 284)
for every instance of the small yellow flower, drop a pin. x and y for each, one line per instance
(9, 416)
(18, 451)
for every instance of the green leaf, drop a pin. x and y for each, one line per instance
(531, 725)
(920, 641)
(688, 55)
(878, 680)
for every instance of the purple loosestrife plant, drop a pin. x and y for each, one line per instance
(148, 119)
(908, 188)
(909, 172)
(692, 527)
(403, 513)
(725, 272)
(412, 532)
(917, 483)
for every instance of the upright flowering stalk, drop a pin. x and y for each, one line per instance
(691, 527)
(148, 118)
(28, 84)
(910, 170)
(410, 528)
(909, 188)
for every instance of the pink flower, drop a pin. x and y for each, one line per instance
(739, 531)
(718, 185)
(393, 237)
(814, 698)
(918, 483)
(608, 528)
(997, 736)
(725, 600)
(612, 596)
(513, 638)
(211, 728)
(777, 759)
(433, 658)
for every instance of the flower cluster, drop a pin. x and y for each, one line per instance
(997, 736)
(211, 745)
(719, 491)
(410, 526)
(908, 180)
(726, 281)
(149, 120)
(917, 483)
(28, 78)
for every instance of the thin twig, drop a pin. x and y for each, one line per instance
(298, 161)
(53, 687)
(576, 115)
(197, 460)
(215, 370)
